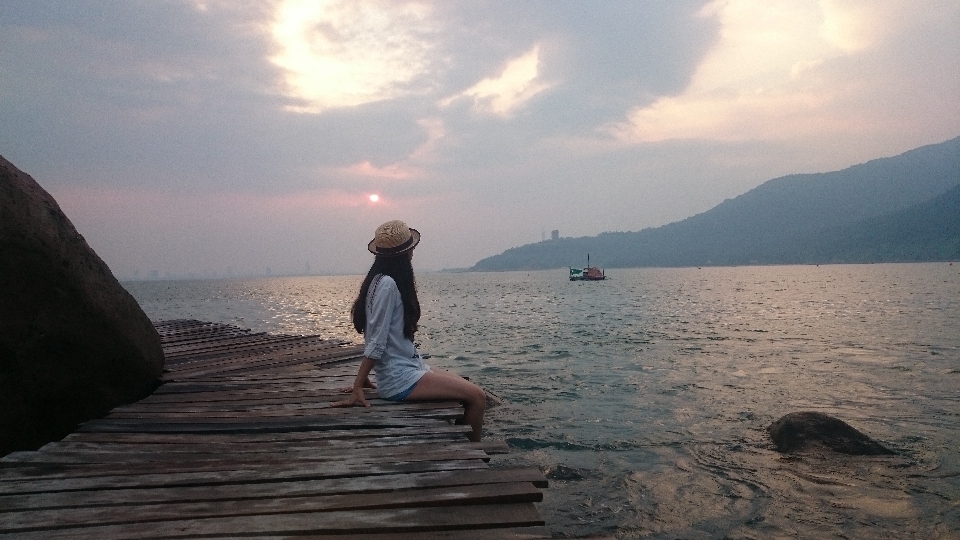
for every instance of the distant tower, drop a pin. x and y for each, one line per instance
(555, 234)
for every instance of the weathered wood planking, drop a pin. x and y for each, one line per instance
(241, 441)
(386, 520)
(41, 520)
(104, 453)
(279, 489)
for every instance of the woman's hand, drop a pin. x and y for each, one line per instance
(356, 393)
(356, 399)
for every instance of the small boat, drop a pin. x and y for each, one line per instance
(590, 273)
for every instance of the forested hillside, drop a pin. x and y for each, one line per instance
(902, 208)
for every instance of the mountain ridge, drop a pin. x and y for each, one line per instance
(798, 218)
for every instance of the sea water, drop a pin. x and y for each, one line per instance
(645, 398)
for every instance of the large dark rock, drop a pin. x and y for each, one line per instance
(73, 343)
(806, 430)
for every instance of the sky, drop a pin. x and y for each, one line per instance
(227, 138)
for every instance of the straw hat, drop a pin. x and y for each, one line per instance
(393, 238)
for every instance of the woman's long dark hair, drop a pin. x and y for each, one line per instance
(401, 270)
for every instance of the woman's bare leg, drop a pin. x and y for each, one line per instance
(446, 385)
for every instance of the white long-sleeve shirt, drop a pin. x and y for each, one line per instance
(397, 363)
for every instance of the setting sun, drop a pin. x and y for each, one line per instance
(374, 198)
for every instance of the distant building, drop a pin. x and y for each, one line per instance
(555, 234)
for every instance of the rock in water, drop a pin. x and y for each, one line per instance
(803, 430)
(73, 343)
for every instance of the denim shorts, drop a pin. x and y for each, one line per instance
(400, 396)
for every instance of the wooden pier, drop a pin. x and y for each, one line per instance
(240, 441)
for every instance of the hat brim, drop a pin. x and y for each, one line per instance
(394, 251)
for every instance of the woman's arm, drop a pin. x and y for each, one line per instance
(384, 299)
(356, 396)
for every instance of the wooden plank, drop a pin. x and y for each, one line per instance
(253, 422)
(270, 363)
(246, 403)
(255, 384)
(196, 450)
(319, 396)
(275, 407)
(307, 373)
(97, 454)
(411, 428)
(237, 341)
(284, 488)
(249, 366)
(216, 353)
(326, 523)
(228, 426)
(171, 334)
(207, 349)
(249, 346)
(63, 518)
(317, 399)
(509, 533)
(198, 341)
(71, 466)
(242, 395)
(303, 471)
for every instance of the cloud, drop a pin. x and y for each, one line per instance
(392, 171)
(256, 131)
(345, 53)
(781, 70)
(412, 166)
(856, 25)
(516, 85)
